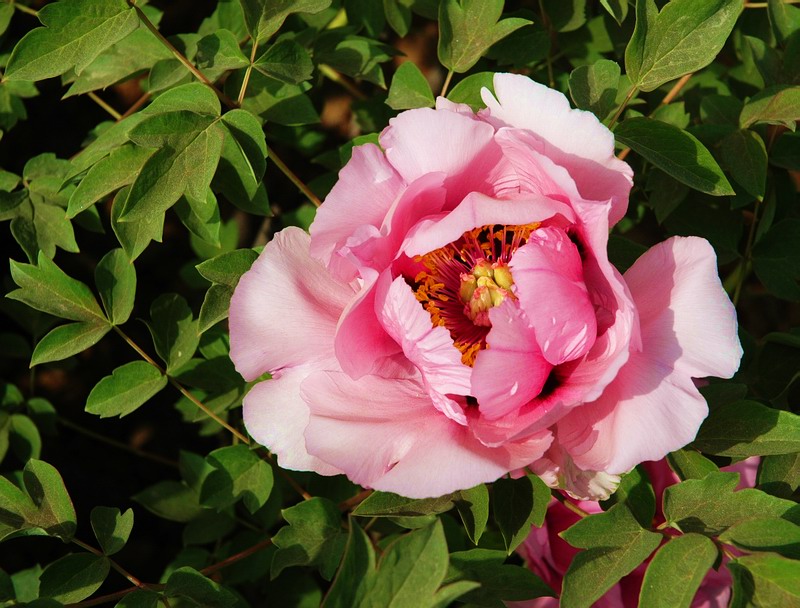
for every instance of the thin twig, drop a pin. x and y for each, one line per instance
(246, 79)
(182, 58)
(117, 444)
(354, 501)
(237, 557)
(105, 105)
(294, 179)
(183, 391)
(446, 84)
(622, 106)
(745, 268)
(336, 77)
(114, 564)
(25, 9)
(136, 105)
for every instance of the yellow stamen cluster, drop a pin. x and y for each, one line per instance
(486, 287)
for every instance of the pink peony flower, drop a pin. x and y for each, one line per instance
(454, 317)
(549, 556)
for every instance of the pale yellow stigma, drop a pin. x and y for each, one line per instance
(484, 288)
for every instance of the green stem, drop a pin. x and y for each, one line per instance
(746, 263)
(294, 179)
(114, 564)
(246, 79)
(336, 77)
(182, 58)
(25, 9)
(446, 84)
(182, 390)
(105, 105)
(622, 106)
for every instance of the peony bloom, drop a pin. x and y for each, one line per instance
(453, 315)
(549, 556)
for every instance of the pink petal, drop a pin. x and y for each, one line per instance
(424, 141)
(429, 348)
(480, 210)
(276, 416)
(285, 294)
(512, 370)
(548, 281)
(366, 189)
(361, 342)
(684, 309)
(574, 139)
(385, 434)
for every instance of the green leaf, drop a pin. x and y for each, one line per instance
(111, 528)
(499, 582)
(356, 573)
(239, 474)
(129, 387)
(386, 504)
(265, 17)
(785, 19)
(779, 475)
(473, 507)
(683, 37)
(139, 599)
(411, 569)
(189, 147)
(675, 152)
(676, 572)
(171, 500)
(313, 537)
(636, 493)
(175, 334)
(745, 156)
(618, 9)
(778, 105)
(398, 15)
(75, 33)
(115, 277)
(776, 259)
(710, 506)
(188, 583)
(517, 505)
(116, 170)
(765, 534)
(747, 428)
(409, 89)
(24, 438)
(286, 61)
(242, 163)
(227, 268)
(467, 28)
(689, 464)
(47, 288)
(74, 577)
(468, 91)
(67, 340)
(594, 87)
(615, 545)
(200, 216)
(219, 52)
(135, 236)
(765, 580)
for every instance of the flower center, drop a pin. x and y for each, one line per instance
(463, 280)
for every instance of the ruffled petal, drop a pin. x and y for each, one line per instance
(512, 370)
(548, 280)
(386, 434)
(480, 210)
(574, 139)
(422, 141)
(366, 189)
(285, 294)
(276, 416)
(429, 348)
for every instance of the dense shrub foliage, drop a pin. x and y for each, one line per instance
(150, 149)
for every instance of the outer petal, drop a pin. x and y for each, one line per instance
(512, 370)
(285, 294)
(679, 295)
(424, 141)
(384, 433)
(276, 416)
(430, 348)
(548, 281)
(574, 139)
(688, 328)
(366, 189)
